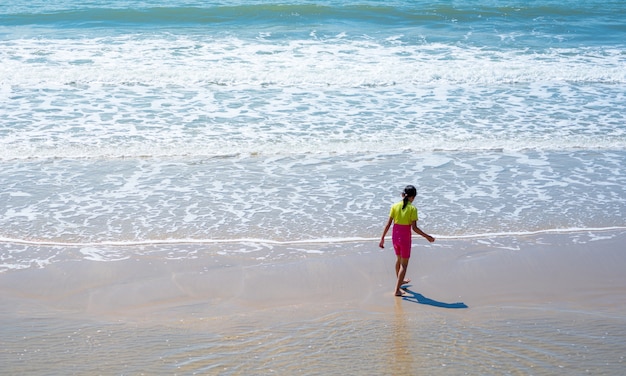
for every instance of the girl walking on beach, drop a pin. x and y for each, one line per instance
(403, 215)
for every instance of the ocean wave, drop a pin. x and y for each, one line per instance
(339, 61)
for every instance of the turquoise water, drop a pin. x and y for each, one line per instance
(133, 123)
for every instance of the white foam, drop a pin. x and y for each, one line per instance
(129, 111)
(286, 131)
(19, 194)
(189, 61)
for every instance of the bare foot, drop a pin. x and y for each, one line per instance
(399, 293)
(406, 281)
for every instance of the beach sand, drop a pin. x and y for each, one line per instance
(540, 304)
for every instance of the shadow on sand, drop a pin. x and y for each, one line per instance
(412, 296)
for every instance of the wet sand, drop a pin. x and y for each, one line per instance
(536, 304)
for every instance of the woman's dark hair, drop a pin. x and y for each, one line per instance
(409, 191)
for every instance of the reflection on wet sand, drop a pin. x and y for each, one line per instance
(401, 359)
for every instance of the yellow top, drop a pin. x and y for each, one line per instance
(403, 217)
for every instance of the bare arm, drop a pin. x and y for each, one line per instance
(382, 238)
(422, 233)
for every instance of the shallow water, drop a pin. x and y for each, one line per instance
(95, 204)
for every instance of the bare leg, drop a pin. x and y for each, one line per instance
(403, 264)
(398, 264)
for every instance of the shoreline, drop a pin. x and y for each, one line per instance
(547, 269)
